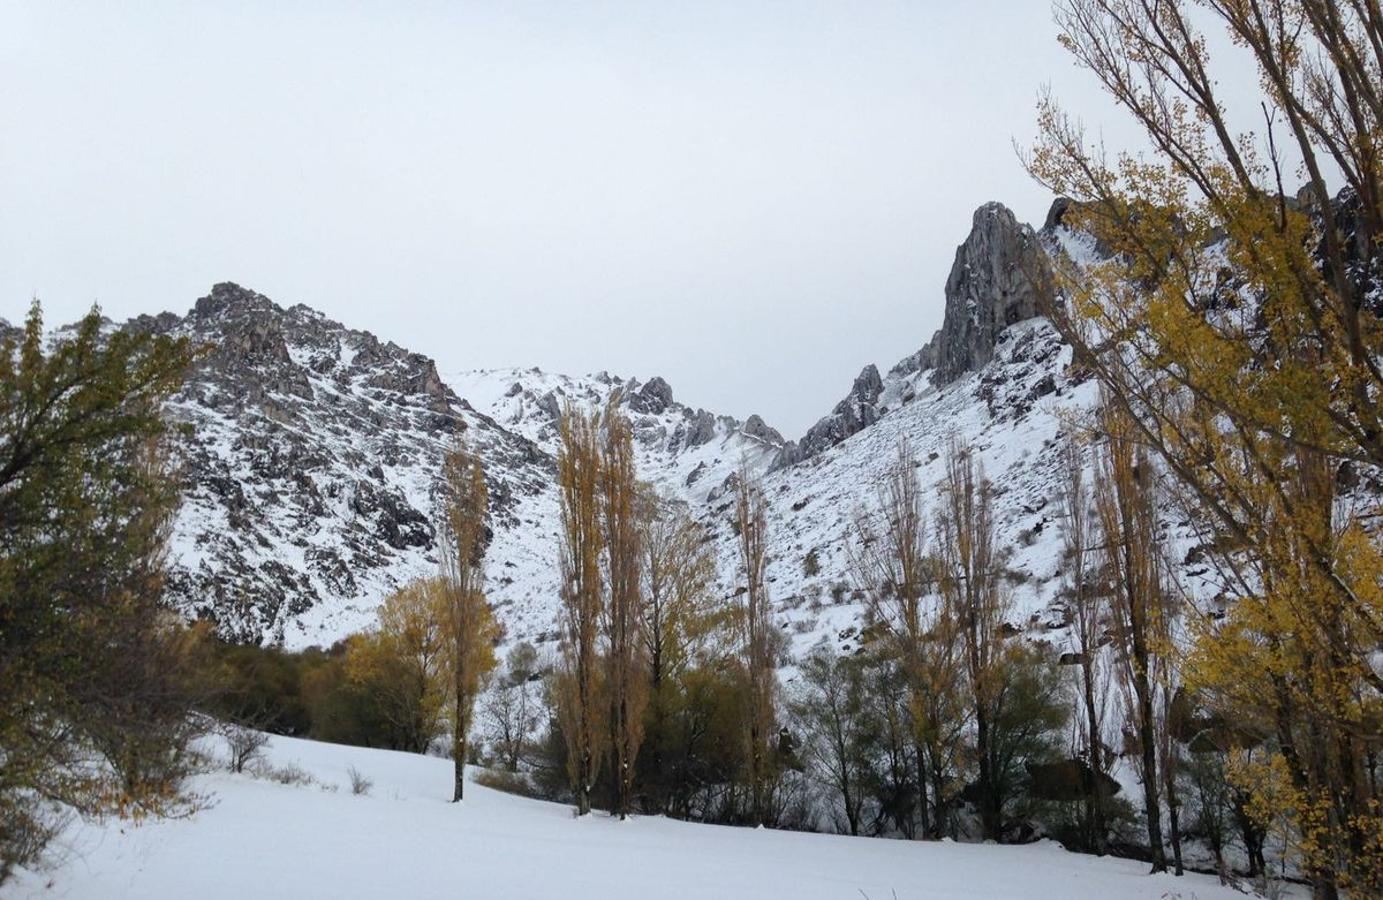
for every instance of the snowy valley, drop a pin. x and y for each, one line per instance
(313, 837)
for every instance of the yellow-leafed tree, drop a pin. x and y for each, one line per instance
(626, 680)
(579, 685)
(402, 661)
(468, 626)
(1236, 327)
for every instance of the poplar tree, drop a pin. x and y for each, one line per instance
(969, 583)
(678, 619)
(1139, 606)
(468, 626)
(625, 662)
(1089, 609)
(751, 524)
(579, 686)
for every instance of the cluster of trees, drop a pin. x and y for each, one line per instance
(1234, 332)
(96, 676)
(965, 705)
(407, 682)
(665, 694)
(948, 721)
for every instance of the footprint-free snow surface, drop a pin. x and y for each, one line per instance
(260, 838)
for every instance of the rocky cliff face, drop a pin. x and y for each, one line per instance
(310, 466)
(1001, 276)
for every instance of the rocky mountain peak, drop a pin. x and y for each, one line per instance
(1000, 276)
(857, 411)
(229, 300)
(654, 397)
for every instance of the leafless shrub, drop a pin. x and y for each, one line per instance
(289, 773)
(360, 785)
(244, 744)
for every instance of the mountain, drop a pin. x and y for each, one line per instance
(311, 452)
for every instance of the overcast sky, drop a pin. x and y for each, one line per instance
(753, 200)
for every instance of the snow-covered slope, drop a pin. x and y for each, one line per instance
(312, 463)
(687, 453)
(260, 838)
(1012, 413)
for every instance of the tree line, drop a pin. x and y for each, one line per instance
(1233, 330)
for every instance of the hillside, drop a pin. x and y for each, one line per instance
(258, 837)
(313, 451)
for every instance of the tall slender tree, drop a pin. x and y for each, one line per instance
(1128, 524)
(468, 625)
(679, 617)
(580, 687)
(625, 661)
(751, 523)
(969, 583)
(1089, 607)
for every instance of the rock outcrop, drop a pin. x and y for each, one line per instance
(1001, 276)
(857, 411)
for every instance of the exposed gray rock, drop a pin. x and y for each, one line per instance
(1057, 212)
(856, 412)
(700, 428)
(550, 405)
(756, 428)
(654, 397)
(310, 470)
(1000, 276)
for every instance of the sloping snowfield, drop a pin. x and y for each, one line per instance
(260, 838)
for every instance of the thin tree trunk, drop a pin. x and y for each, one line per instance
(1173, 806)
(1095, 798)
(924, 816)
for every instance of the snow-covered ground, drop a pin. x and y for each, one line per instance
(260, 838)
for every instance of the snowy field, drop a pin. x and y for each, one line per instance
(260, 838)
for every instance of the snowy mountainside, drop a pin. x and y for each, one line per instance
(687, 453)
(309, 462)
(1011, 412)
(995, 377)
(311, 467)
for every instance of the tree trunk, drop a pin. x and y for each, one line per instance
(458, 755)
(1173, 807)
(990, 812)
(924, 817)
(1152, 808)
(1095, 800)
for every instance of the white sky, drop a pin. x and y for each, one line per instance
(750, 199)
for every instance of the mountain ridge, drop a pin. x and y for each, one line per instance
(311, 467)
